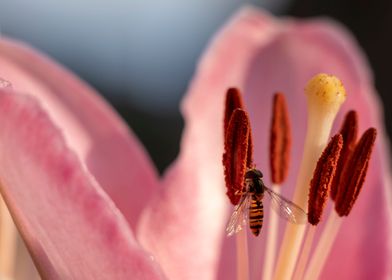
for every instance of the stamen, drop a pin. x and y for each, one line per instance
(322, 179)
(235, 156)
(280, 145)
(351, 182)
(319, 191)
(280, 141)
(325, 94)
(354, 173)
(349, 132)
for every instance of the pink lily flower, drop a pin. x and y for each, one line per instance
(88, 202)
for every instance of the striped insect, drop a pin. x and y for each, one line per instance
(250, 208)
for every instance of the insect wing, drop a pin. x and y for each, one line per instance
(287, 209)
(239, 217)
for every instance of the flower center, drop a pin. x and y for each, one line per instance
(338, 168)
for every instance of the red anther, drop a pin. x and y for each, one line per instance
(349, 132)
(280, 140)
(235, 157)
(322, 179)
(354, 173)
(233, 101)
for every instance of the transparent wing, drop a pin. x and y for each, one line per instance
(240, 216)
(287, 209)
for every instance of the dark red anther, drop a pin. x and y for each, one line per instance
(280, 140)
(233, 101)
(235, 157)
(349, 131)
(322, 179)
(354, 173)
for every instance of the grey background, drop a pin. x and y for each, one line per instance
(141, 54)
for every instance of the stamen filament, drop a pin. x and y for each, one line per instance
(271, 245)
(242, 255)
(324, 246)
(280, 146)
(325, 95)
(303, 259)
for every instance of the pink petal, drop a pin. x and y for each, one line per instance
(301, 50)
(184, 225)
(99, 137)
(262, 55)
(71, 227)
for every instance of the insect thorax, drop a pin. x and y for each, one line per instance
(254, 183)
(253, 173)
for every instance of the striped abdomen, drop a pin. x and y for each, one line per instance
(256, 215)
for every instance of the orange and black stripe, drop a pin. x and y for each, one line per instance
(256, 215)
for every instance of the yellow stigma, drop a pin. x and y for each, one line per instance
(326, 92)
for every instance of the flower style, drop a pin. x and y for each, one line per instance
(88, 202)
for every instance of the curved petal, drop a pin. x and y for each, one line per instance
(261, 55)
(70, 226)
(299, 51)
(189, 215)
(91, 128)
(362, 260)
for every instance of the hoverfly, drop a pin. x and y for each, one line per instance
(250, 206)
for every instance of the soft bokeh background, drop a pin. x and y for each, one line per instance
(141, 54)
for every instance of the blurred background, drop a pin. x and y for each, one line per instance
(141, 54)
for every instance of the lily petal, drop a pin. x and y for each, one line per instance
(91, 128)
(300, 50)
(71, 227)
(188, 216)
(261, 55)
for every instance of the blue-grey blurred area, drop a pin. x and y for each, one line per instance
(141, 50)
(140, 54)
